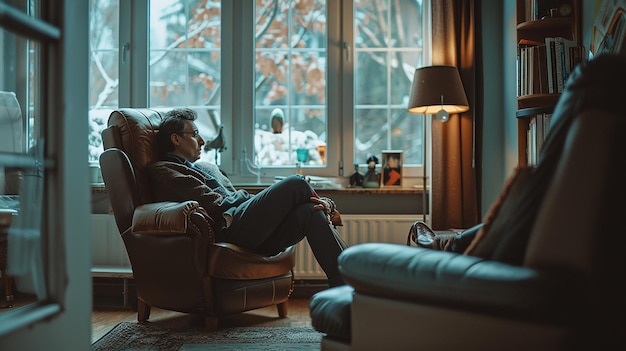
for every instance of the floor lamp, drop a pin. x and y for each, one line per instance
(438, 91)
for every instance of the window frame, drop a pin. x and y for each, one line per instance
(237, 108)
(61, 94)
(340, 94)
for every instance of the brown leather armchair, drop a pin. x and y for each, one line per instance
(176, 263)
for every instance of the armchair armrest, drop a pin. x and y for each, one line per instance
(458, 281)
(162, 228)
(166, 217)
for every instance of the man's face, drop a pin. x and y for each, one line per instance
(189, 144)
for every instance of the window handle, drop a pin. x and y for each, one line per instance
(346, 48)
(125, 49)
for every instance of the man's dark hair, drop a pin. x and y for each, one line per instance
(173, 122)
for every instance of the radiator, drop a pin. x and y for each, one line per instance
(107, 246)
(356, 229)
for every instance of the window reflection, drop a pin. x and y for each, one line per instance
(21, 170)
(25, 242)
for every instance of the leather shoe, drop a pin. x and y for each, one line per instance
(422, 235)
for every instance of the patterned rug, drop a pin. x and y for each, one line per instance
(128, 336)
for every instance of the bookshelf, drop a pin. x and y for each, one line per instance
(548, 48)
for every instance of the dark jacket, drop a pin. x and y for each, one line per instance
(175, 181)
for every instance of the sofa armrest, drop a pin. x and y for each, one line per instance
(165, 217)
(457, 281)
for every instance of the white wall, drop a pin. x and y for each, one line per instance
(493, 122)
(499, 73)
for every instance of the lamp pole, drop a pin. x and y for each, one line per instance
(424, 163)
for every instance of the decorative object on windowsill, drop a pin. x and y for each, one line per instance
(392, 168)
(438, 91)
(277, 120)
(372, 177)
(356, 179)
(302, 154)
(218, 143)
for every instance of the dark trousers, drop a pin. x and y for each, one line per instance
(282, 215)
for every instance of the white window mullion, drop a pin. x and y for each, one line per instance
(340, 89)
(124, 55)
(133, 53)
(237, 90)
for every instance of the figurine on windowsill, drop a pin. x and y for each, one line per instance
(356, 179)
(372, 178)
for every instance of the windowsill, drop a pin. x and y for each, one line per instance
(254, 188)
(97, 188)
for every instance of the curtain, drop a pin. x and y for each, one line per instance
(455, 151)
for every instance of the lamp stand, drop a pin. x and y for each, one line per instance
(424, 163)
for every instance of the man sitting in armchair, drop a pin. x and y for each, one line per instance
(277, 217)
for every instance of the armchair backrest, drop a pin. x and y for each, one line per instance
(579, 229)
(130, 146)
(582, 207)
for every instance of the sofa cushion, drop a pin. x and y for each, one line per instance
(330, 311)
(495, 222)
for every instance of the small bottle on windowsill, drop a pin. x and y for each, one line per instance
(356, 179)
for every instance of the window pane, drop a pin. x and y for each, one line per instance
(370, 78)
(185, 62)
(103, 69)
(290, 75)
(168, 78)
(185, 53)
(407, 134)
(388, 45)
(370, 132)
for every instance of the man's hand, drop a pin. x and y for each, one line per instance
(323, 204)
(330, 209)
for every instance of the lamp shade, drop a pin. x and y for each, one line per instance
(437, 88)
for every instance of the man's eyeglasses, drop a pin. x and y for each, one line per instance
(193, 133)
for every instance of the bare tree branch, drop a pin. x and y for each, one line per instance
(270, 19)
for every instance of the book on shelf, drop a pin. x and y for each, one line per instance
(550, 64)
(538, 128)
(538, 72)
(531, 70)
(562, 55)
(531, 151)
(558, 54)
(562, 48)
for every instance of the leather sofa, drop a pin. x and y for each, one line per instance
(565, 291)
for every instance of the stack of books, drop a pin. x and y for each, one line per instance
(543, 67)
